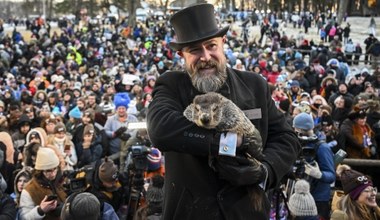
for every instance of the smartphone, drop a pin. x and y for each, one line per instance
(67, 147)
(51, 197)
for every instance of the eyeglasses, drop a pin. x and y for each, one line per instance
(51, 170)
(371, 190)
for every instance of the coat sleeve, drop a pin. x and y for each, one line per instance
(8, 208)
(168, 129)
(28, 210)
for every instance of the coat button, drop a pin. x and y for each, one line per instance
(196, 135)
(225, 148)
(191, 134)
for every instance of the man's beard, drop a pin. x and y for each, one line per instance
(208, 83)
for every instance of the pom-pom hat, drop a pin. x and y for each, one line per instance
(302, 203)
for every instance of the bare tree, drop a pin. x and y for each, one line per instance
(132, 5)
(343, 5)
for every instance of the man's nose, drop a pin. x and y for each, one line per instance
(206, 55)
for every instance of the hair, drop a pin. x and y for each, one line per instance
(354, 209)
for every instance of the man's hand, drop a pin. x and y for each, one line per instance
(47, 206)
(239, 170)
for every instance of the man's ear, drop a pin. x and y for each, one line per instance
(224, 38)
(180, 53)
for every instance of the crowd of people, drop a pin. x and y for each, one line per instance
(69, 96)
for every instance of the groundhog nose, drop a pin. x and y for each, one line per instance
(205, 119)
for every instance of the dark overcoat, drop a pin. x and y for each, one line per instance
(192, 188)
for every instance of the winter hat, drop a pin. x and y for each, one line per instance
(303, 121)
(294, 83)
(326, 120)
(302, 203)
(80, 206)
(154, 159)
(89, 129)
(357, 113)
(155, 194)
(90, 113)
(121, 99)
(46, 159)
(75, 113)
(353, 182)
(108, 171)
(59, 127)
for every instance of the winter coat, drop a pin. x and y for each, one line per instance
(353, 136)
(192, 189)
(8, 209)
(34, 193)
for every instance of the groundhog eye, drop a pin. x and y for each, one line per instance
(214, 108)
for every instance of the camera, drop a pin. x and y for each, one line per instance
(139, 157)
(78, 180)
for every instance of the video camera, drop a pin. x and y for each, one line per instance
(78, 180)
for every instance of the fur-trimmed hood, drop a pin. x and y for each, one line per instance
(25, 171)
(41, 132)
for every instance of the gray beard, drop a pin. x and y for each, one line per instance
(207, 84)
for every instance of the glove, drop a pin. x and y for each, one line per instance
(332, 144)
(313, 170)
(120, 131)
(125, 136)
(367, 152)
(239, 170)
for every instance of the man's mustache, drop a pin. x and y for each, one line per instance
(206, 64)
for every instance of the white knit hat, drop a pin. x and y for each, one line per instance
(302, 203)
(46, 159)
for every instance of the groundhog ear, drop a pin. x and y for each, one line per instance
(188, 113)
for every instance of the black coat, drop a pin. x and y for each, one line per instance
(192, 188)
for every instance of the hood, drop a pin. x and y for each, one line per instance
(23, 119)
(26, 171)
(7, 140)
(41, 132)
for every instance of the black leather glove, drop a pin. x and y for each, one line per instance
(125, 136)
(239, 170)
(120, 131)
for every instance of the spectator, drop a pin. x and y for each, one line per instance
(359, 201)
(358, 136)
(34, 203)
(301, 204)
(319, 164)
(116, 126)
(81, 206)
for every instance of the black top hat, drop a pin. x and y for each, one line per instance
(195, 23)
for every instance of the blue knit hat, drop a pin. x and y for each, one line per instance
(154, 159)
(121, 99)
(75, 113)
(303, 121)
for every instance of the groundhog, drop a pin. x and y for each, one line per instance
(214, 111)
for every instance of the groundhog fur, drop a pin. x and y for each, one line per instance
(214, 111)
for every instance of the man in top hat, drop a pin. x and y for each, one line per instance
(194, 189)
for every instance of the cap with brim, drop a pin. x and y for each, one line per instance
(193, 24)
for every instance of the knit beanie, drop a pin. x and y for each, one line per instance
(46, 159)
(108, 171)
(88, 129)
(121, 99)
(303, 121)
(59, 127)
(75, 113)
(353, 182)
(154, 159)
(302, 203)
(81, 206)
(155, 193)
